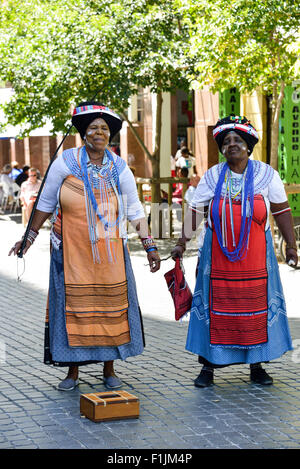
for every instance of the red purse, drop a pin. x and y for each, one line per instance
(179, 289)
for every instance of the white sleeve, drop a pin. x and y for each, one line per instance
(276, 191)
(56, 175)
(202, 195)
(132, 205)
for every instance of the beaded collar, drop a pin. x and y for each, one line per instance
(262, 173)
(107, 170)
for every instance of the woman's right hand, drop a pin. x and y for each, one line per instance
(177, 251)
(16, 248)
(291, 257)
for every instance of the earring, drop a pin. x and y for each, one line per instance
(249, 151)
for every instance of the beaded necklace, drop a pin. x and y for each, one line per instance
(247, 198)
(103, 178)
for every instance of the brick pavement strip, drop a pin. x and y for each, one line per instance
(233, 413)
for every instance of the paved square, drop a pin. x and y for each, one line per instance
(232, 414)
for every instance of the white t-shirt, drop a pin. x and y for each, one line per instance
(178, 154)
(172, 163)
(189, 163)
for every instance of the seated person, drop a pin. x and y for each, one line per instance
(15, 171)
(6, 183)
(23, 176)
(29, 191)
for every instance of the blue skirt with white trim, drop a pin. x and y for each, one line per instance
(57, 350)
(198, 338)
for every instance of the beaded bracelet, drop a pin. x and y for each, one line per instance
(151, 249)
(148, 244)
(31, 236)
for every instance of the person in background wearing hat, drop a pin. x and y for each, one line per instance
(238, 314)
(93, 311)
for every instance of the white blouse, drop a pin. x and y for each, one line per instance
(267, 182)
(273, 190)
(58, 172)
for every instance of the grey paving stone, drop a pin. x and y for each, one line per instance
(233, 414)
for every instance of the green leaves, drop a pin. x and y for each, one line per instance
(243, 44)
(57, 52)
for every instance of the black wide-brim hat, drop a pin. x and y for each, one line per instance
(238, 124)
(84, 114)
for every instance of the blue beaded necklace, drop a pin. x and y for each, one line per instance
(247, 200)
(92, 208)
(90, 192)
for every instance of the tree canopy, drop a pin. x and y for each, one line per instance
(243, 44)
(58, 52)
(248, 45)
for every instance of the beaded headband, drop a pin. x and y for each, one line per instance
(243, 127)
(92, 109)
(84, 114)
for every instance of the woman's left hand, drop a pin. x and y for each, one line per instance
(154, 260)
(291, 255)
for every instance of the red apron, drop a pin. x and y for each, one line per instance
(238, 290)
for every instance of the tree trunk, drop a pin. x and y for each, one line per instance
(156, 154)
(156, 215)
(156, 218)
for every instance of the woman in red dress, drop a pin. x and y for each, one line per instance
(238, 313)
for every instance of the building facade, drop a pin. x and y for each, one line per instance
(190, 116)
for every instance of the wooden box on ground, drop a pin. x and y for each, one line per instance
(112, 405)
